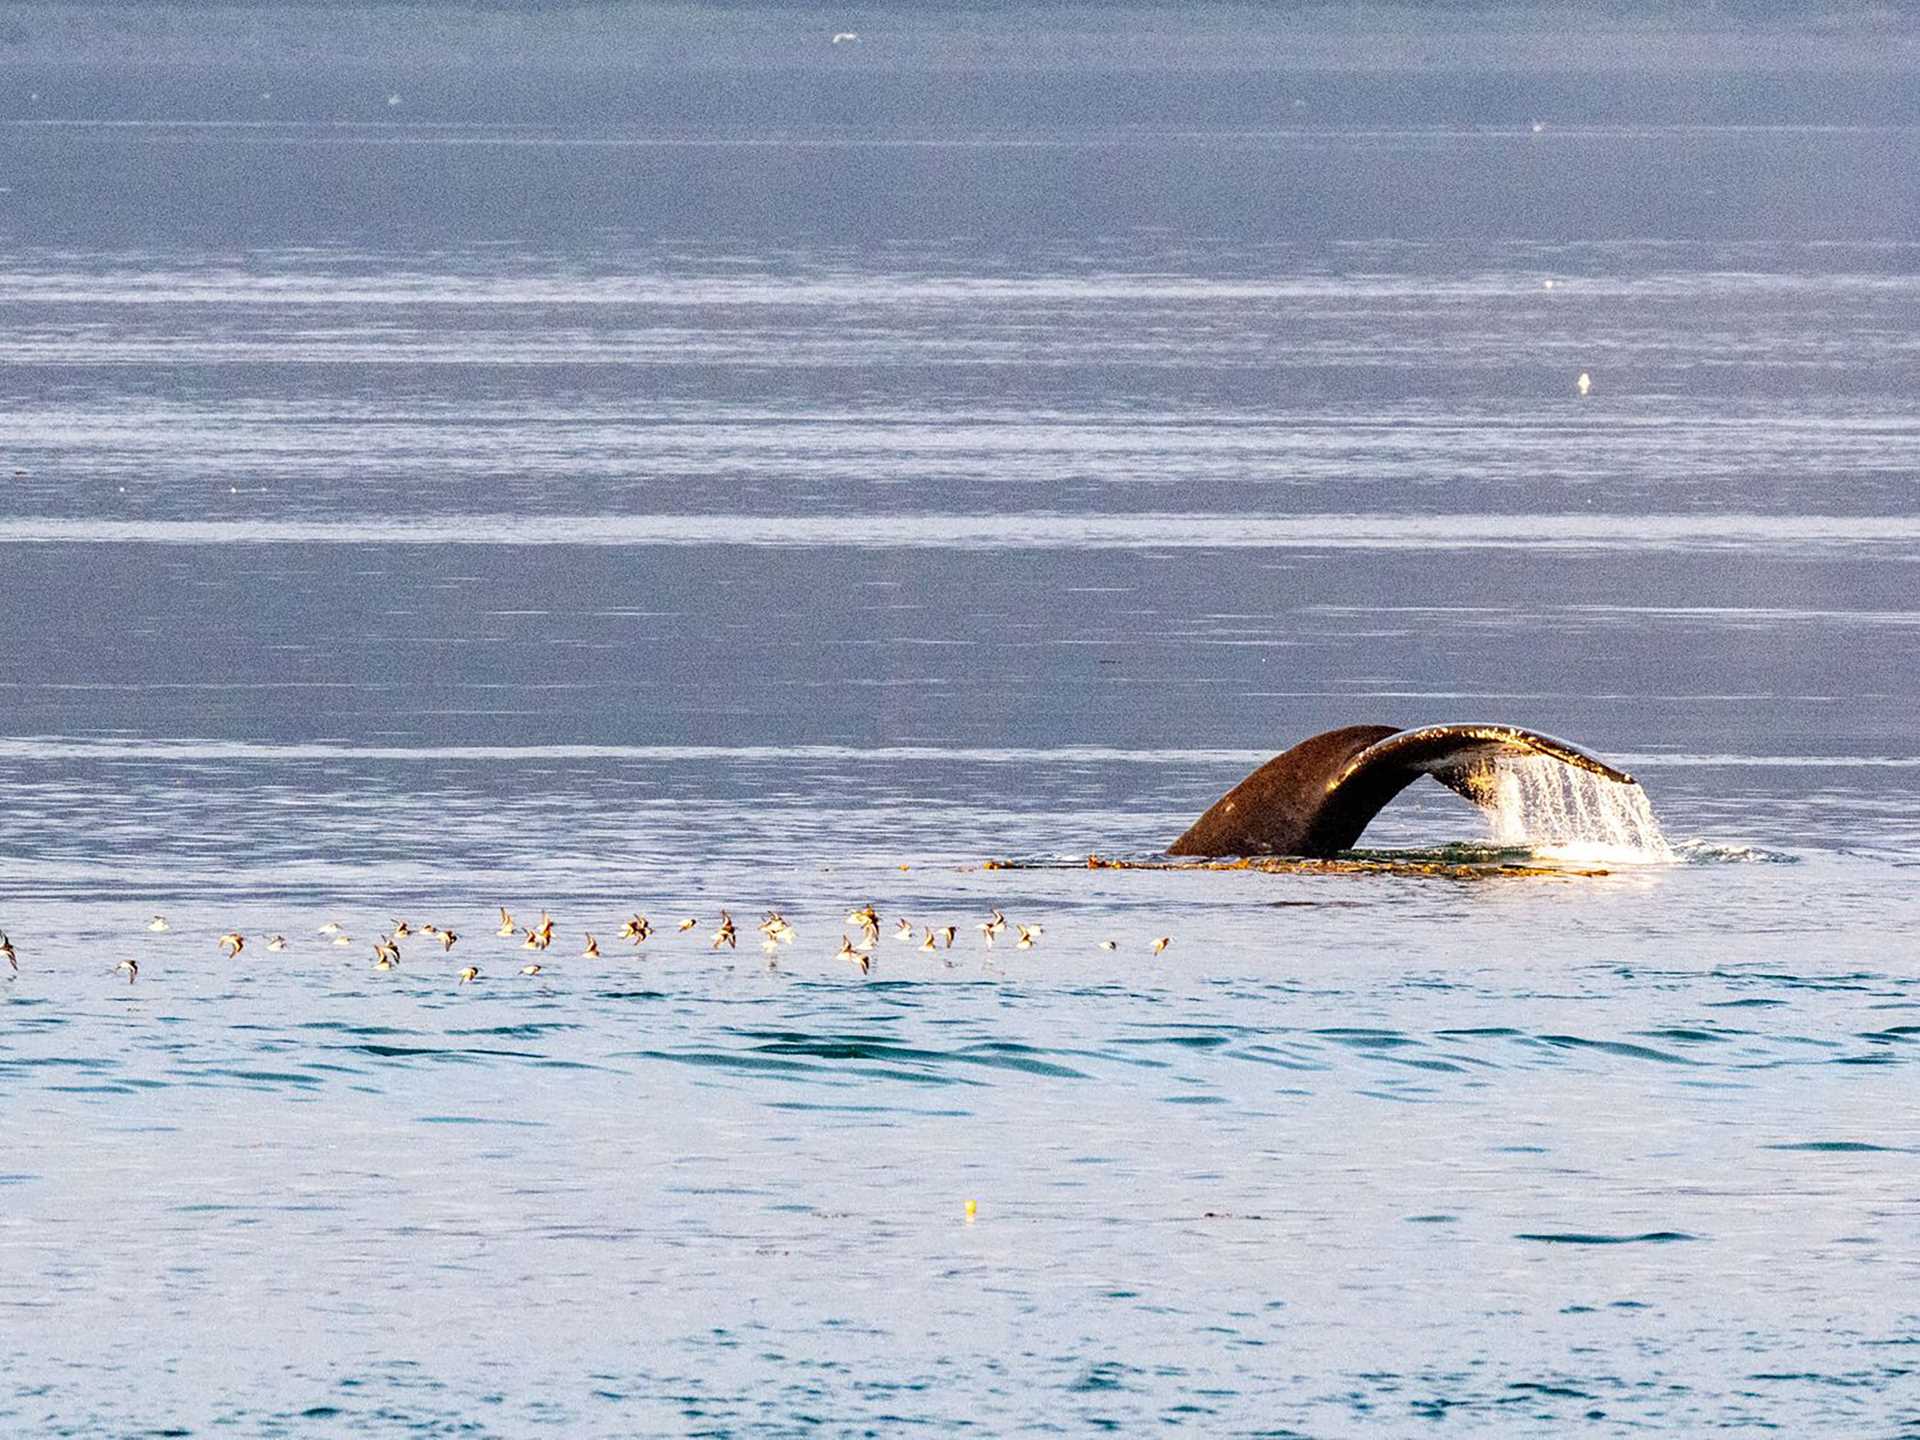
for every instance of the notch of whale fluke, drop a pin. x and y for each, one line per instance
(1315, 799)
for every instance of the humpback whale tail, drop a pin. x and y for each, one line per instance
(1316, 798)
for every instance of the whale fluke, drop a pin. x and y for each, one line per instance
(1315, 799)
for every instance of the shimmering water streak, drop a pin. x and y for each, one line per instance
(1771, 534)
(1544, 805)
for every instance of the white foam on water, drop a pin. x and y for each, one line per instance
(1563, 813)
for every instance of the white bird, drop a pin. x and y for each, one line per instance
(847, 37)
(158, 924)
(1584, 383)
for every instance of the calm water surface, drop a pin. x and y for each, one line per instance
(407, 521)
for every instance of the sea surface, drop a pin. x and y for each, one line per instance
(403, 518)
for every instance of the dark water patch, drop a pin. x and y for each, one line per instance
(1756, 1002)
(1433, 1219)
(479, 1120)
(796, 1070)
(1883, 1058)
(1520, 1150)
(1839, 1147)
(77, 1062)
(1799, 982)
(257, 1077)
(1366, 1039)
(1182, 1042)
(1693, 1037)
(1195, 1100)
(1483, 1032)
(1541, 1387)
(343, 1028)
(529, 1031)
(818, 1107)
(1106, 1375)
(829, 1047)
(442, 1052)
(1615, 1047)
(1421, 1096)
(1576, 1237)
(631, 995)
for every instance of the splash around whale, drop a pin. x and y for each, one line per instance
(1315, 799)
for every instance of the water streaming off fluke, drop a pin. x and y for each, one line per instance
(1540, 804)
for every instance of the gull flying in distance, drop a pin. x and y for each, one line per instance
(904, 931)
(131, 968)
(725, 934)
(332, 927)
(948, 934)
(158, 924)
(233, 942)
(1028, 935)
(507, 928)
(448, 939)
(470, 974)
(532, 967)
(1109, 944)
(401, 930)
(847, 37)
(6, 949)
(636, 929)
(343, 938)
(386, 953)
(276, 943)
(927, 944)
(1162, 943)
(1583, 384)
(687, 924)
(592, 950)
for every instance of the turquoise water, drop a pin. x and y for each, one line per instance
(363, 561)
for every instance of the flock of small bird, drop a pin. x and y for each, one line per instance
(775, 932)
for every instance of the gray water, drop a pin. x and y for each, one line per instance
(407, 520)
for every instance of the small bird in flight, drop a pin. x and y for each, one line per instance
(233, 942)
(132, 969)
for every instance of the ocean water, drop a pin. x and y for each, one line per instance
(411, 519)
